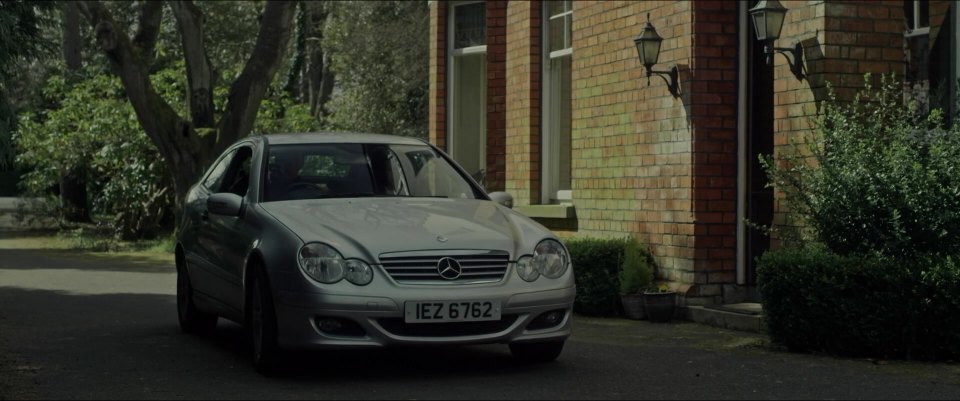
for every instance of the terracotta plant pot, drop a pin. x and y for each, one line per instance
(660, 306)
(633, 306)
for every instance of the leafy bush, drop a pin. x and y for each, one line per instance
(95, 129)
(885, 177)
(817, 300)
(637, 272)
(598, 265)
(877, 197)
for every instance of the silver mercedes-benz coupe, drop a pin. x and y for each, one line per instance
(332, 240)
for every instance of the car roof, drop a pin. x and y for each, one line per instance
(338, 137)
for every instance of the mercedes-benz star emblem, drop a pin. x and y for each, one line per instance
(441, 238)
(449, 268)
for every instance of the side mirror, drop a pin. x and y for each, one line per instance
(225, 203)
(502, 198)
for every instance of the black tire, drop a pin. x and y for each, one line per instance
(538, 352)
(192, 320)
(267, 355)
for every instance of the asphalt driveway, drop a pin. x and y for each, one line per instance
(77, 325)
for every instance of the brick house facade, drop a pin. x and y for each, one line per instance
(548, 101)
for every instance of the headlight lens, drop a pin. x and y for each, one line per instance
(551, 259)
(321, 262)
(358, 272)
(526, 270)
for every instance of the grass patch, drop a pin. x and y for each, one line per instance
(93, 239)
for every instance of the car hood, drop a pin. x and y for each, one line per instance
(368, 227)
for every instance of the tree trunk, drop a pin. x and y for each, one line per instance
(300, 48)
(199, 70)
(321, 79)
(72, 41)
(187, 152)
(73, 195)
(73, 183)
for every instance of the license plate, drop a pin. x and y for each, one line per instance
(451, 311)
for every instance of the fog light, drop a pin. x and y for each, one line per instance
(547, 320)
(330, 325)
(339, 327)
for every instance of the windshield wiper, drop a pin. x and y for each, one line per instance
(348, 195)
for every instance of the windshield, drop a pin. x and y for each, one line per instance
(347, 170)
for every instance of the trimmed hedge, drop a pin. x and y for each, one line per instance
(815, 300)
(597, 267)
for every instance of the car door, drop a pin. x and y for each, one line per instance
(230, 238)
(199, 250)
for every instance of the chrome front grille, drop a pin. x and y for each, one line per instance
(421, 267)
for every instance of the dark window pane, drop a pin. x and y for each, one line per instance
(469, 26)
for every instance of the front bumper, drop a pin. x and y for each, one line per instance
(380, 320)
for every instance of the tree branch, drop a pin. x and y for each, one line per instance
(199, 71)
(246, 92)
(156, 116)
(148, 29)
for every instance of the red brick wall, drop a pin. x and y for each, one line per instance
(632, 143)
(496, 94)
(437, 118)
(711, 104)
(523, 102)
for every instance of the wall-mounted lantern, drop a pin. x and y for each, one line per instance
(768, 16)
(648, 48)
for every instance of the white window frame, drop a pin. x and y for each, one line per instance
(453, 53)
(918, 30)
(550, 147)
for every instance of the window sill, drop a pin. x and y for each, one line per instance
(547, 211)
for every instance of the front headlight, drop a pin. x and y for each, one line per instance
(526, 270)
(358, 272)
(551, 259)
(321, 262)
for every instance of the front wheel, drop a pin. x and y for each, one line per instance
(263, 327)
(192, 320)
(539, 352)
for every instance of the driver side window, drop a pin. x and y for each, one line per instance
(215, 179)
(237, 180)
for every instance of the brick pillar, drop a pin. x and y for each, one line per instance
(437, 117)
(522, 108)
(496, 94)
(711, 93)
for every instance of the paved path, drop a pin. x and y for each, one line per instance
(86, 326)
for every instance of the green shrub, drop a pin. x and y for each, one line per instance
(603, 269)
(816, 300)
(597, 264)
(94, 129)
(637, 272)
(879, 176)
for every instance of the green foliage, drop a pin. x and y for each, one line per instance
(637, 272)
(596, 267)
(21, 23)
(279, 114)
(876, 266)
(95, 128)
(885, 178)
(379, 52)
(876, 306)
(605, 268)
